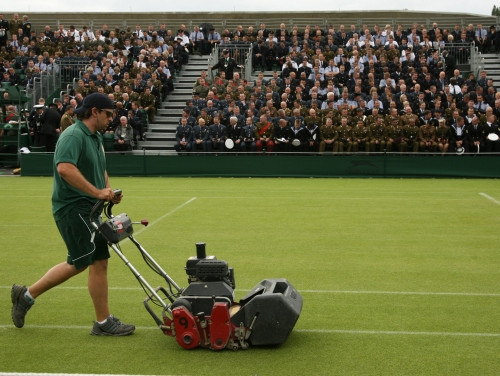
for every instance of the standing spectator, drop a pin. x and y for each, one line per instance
(4, 29)
(227, 64)
(26, 27)
(67, 118)
(15, 24)
(50, 122)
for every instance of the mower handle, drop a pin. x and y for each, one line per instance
(99, 205)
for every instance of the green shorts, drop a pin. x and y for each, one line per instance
(84, 245)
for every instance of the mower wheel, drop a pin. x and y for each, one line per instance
(182, 303)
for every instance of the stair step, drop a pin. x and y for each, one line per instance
(160, 136)
(156, 145)
(163, 127)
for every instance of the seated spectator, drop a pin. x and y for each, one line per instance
(124, 136)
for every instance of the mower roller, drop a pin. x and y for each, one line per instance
(205, 313)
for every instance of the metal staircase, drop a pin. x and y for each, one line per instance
(160, 136)
(491, 64)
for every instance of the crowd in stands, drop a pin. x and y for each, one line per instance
(347, 91)
(339, 90)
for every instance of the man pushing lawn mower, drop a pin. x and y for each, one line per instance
(204, 314)
(80, 180)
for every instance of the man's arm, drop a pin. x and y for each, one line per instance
(70, 173)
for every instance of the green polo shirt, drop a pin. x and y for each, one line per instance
(79, 146)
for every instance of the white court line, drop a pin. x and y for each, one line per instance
(333, 292)
(166, 215)
(67, 374)
(135, 233)
(320, 331)
(397, 332)
(489, 198)
(361, 292)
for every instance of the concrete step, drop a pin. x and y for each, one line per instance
(157, 127)
(156, 145)
(160, 136)
(162, 121)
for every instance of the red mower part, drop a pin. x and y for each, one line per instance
(220, 326)
(186, 330)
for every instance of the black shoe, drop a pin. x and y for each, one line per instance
(112, 327)
(20, 305)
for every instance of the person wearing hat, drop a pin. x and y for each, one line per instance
(492, 40)
(227, 64)
(80, 181)
(34, 121)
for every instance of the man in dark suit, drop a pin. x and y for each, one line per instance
(50, 121)
(475, 136)
(227, 64)
(458, 135)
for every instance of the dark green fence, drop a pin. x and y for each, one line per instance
(468, 166)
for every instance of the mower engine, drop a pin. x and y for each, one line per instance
(206, 315)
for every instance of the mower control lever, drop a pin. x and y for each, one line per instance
(99, 205)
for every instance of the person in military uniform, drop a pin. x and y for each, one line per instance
(26, 27)
(201, 137)
(217, 134)
(233, 131)
(67, 118)
(443, 134)
(183, 136)
(35, 123)
(427, 137)
(410, 137)
(264, 134)
(328, 136)
(202, 88)
(475, 135)
(299, 136)
(15, 24)
(227, 64)
(377, 135)
(282, 136)
(405, 119)
(148, 102)
(458, 135)
(313, 122)
(394, 136)
(360, 137)
(248, 136)
(344, 140)
(137, 121)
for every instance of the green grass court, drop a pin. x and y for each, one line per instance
(398, 276)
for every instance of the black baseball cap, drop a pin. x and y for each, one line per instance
(97, 100)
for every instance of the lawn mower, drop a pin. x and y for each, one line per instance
(205, 313)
